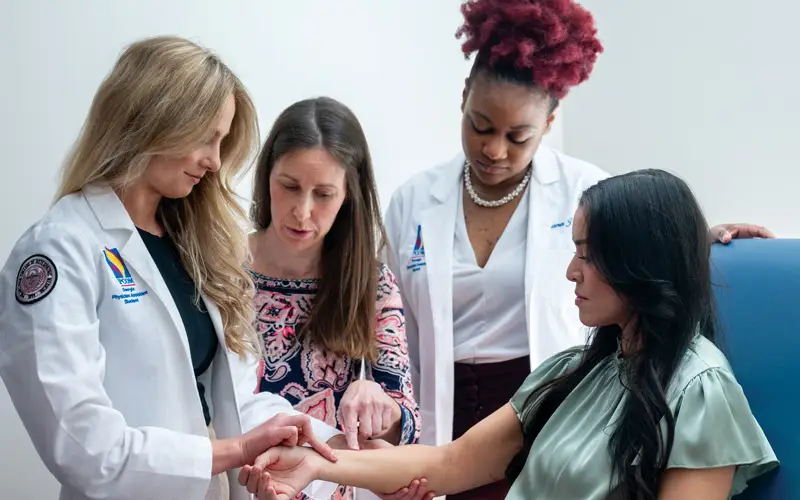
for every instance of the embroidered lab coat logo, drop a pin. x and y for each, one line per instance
(417, 260)
(123, 276)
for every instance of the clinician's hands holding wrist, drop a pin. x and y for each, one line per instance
(290, 470)
(366, 411)
(282, 429)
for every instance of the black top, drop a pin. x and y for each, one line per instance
(203, 340)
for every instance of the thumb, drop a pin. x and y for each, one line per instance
(265, 459)
(726, 237)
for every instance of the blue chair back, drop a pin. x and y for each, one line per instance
(757, 287)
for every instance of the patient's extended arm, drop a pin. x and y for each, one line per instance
(477, 458)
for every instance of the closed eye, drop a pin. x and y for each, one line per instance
(478, 130)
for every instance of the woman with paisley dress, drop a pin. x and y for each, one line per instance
(328, 312)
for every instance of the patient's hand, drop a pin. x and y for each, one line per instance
(281, 472)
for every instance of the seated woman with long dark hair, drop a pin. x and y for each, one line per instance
(649, 409)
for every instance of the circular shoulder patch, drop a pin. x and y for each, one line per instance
(36, 279)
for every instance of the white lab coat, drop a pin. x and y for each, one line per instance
(420, 222)
(101, 375)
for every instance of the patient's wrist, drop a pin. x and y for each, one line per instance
(320, 466)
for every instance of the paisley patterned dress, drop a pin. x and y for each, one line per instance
(314, 380)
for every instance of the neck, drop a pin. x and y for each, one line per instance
(141, 204)
(272, 257)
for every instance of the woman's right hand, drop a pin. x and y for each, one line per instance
(282, 429)
(281, 472)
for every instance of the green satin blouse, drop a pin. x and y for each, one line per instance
(713, 427)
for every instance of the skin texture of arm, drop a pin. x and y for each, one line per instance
(697, 484)
(479, 457)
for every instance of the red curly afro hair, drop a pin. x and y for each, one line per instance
(548, 43)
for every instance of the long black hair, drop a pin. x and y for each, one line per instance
(647, 236)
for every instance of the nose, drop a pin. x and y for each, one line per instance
(302, 209)
(213, 162)
(495, 148)
(573, 270)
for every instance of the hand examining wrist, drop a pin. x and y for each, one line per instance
(366, 411)
(282, 429)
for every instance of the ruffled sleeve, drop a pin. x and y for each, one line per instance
(551, 368)
(714, 427)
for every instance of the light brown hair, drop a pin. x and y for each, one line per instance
(163, 96)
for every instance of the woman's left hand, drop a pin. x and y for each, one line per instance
(367, 411)
(724, 233)
(417, 490)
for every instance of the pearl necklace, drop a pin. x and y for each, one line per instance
(496, 203)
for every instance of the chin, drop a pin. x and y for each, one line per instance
(300, 245)
(589, 320)
(177, 194)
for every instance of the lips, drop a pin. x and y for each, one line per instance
(298, 233)
(490, 169)
(195, 178)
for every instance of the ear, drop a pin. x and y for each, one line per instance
(550, 119)
(464, 94)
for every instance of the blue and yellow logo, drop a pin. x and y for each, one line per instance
(417, 260)
(118, 267)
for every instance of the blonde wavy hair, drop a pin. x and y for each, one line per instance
(164, 96)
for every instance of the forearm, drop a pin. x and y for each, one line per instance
(389, 470)
(226, 454)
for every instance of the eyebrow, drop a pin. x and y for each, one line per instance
(515, 127)
(289, 177)
(579, 242)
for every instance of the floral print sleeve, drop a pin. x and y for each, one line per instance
(392, 369)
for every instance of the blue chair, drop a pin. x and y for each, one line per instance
(757, 286)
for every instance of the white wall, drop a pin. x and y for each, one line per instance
(397, 64)
(706, 89)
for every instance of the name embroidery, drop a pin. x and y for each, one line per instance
(566, 223)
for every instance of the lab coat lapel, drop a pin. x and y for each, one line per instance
(113, 217)
(542, 211)
(438, 229)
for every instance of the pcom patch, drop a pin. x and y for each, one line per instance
(36, 279)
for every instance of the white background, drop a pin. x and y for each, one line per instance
(707, 89)
(712, 98)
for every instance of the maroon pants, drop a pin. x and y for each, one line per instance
(480, 390)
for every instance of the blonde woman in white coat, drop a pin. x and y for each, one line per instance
(126, 339)
(479, 244)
